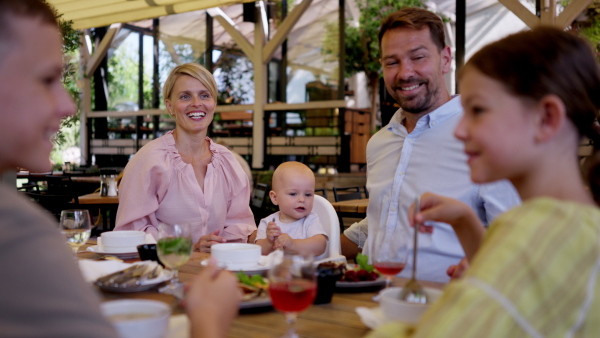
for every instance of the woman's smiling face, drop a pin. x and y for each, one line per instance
(191, 104)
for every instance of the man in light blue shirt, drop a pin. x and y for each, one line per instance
(417, 152)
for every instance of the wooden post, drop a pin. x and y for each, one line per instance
(85, 102)
(260, 95)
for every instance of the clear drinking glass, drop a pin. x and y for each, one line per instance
(76, 226)
(390, 252)
(174, 249)
(292, 287)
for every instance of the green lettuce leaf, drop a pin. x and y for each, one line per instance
(363, 262)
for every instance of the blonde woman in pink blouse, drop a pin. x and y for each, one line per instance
(183, 176)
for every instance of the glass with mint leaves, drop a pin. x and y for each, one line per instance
(174, 249)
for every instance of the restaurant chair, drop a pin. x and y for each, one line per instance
(54, 204)
(331, 225)
(348, 193)
(258, 195)
(59, 185)
(321, 192)
(29, 187)
(258, 202)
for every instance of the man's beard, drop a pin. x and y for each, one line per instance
(418, 103)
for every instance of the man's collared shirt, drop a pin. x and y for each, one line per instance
(402, 166)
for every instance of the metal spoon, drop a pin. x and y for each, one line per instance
(413, 292)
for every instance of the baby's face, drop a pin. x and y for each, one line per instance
(295, 196)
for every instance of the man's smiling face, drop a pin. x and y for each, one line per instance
(414, 68)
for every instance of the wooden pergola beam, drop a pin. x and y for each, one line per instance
(530, 19)
(230, 28)
(547, 12)
(284, 30)
(102, 49)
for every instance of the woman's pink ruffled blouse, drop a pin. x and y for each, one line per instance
(158, 186)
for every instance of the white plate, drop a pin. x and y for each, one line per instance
(165, 275)
(124, 255)
(362, 284)
(262, 301)
(255, 269)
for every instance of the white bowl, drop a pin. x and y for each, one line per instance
(122, 241)
(395, 309)
(236, 255)
(133, 318)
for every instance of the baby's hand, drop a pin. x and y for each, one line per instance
(284, 241)
(273, 231)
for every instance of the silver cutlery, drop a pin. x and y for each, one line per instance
(413, 292)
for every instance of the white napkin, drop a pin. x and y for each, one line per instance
(371, 317)
(179, 327)
(271, 259)
(92, 270)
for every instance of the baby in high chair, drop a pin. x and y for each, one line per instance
(294, 227)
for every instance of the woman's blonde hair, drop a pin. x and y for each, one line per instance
(194, 70)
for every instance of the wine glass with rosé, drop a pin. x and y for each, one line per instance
(390, 253)
(292, 287)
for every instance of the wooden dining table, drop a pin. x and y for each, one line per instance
(86, 179)
(107, 205)
(336, 319)
(96, 199)
(350, 208)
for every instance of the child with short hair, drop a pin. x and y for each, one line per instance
(528, 100)
(294, 227)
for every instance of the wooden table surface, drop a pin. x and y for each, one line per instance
(95, 198)
(337, 319)
(86, 179)
(355, 206)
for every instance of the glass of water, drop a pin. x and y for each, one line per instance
(76, 226)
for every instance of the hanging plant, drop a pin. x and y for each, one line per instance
(70, 51)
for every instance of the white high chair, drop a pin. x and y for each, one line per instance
(331, 225)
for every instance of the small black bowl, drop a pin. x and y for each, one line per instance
(147, 252)
(328, 274)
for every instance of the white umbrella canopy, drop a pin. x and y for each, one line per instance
(304, 41)
(94, 13)
(183, 22)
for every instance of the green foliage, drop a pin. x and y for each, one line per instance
(234, 74)
(362, 45)
(70, 36)
(123, 78)
(589, 27)
(331, 46)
